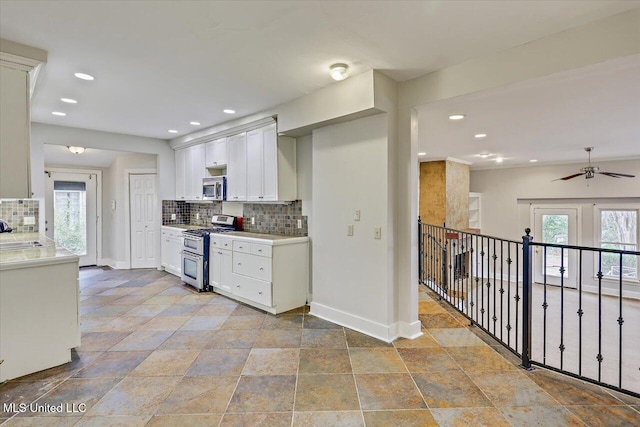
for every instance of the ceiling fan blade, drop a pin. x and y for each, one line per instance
(617, 175)
(569, 177)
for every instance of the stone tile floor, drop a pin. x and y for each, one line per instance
(156, 353)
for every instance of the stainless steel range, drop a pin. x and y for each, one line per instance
(195, 250)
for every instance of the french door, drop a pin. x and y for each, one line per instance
(71, 213)
(555, 266)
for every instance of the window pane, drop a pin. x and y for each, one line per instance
(555, 229)
(611, 262)
(619, 226)
(70, 220)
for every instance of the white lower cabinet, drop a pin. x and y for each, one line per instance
(170, 249)
(270, 273)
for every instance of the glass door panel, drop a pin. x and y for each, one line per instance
(70, 215)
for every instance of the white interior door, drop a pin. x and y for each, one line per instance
(71, 213)
(145, 227)
(558, 226)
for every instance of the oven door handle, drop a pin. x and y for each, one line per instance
(189, 255)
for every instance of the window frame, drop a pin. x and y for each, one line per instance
(597, 225)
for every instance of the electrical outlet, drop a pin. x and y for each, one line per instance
(197, 215)
(377, 233)
(350, 230)
(356, 215)
(299, 223)
(29, 220)
(173, 216)
(253, 220)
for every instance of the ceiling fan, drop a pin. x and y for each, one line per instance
(591, 171)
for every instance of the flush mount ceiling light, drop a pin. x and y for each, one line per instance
(195, 123)
(58, 113)
(69, 100)
(172, 131)
(456, 117)
(76, 150)
(484, 155)
(84, 76)
(532, 161)
(422, 154)
(480, 135)
(228, 111)
(339, 71)
(499, 159)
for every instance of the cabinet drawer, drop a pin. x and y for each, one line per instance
(240, 246)
(261, 250)
(252, 289)
(221, 242)
(254, 266)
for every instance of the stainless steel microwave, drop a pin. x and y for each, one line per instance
(214, 188)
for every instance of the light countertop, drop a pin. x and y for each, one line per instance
(48, 253)
(185, 226)
(273, 239)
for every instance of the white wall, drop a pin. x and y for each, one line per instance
(304, 176)
(507, 193)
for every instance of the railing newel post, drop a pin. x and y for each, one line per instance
(527, 277)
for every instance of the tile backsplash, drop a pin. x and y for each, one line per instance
(206, 211)
(13, 212)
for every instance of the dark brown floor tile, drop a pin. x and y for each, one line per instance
(323, 338)
(324, 361)
(142, 340)
(376, 360)
(272, 361)
(427, 359)
(312, 322)
(166, 363)
(189, 340)
(570, 391)
(411, 418)
(101, 341)
(511, 388)
(300, 310)
(219, 362)
(283, 322)
(114, 364)
(135, 396)
(243, 322)
(425, 340)
(257, 420)
(181, 309)
(451, 417)
(356, 339)
(388, 391)
(479, 358)
(279, 338)
(234, 338)
(326, 392)
(328, 418)
(79, 359)
(114, 421)
(439, 321)
(74, 392)
(449, 389)
(609, 416)
(23, 392)
(264, 394)
(430, 307)
(543, 416)
(193, 420)
(199, 395)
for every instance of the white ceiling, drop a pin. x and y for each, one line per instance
(60, 155)
(549, 119)
(159, 65)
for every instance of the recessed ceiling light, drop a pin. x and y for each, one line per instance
(58, 113)
(499, 159)
(456, 117)
(84, 76)
(480, 135)
(532, 160)
(195, 123)
(228, 111)
(339, 71)
(484, 155)
(173, 131)
(422, 154)
(69, 100)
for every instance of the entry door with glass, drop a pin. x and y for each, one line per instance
(71, 213)
(555, 266)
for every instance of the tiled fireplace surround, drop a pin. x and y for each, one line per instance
(269, 218)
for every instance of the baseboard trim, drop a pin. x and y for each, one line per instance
(351, 321)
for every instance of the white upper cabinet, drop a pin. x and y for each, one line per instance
(237, 168)
(190, 169)
(271, 166)
(181, 156)
(216, 153)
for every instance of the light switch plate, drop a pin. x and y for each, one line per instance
(299, 223)
(377, 233)
(29, 220)
(173, 216)
(253, 220)
(350, 230)
(197, 215)
(356, 215)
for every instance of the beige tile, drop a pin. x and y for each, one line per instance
(115, 421)
(121, 324)
(219, 362)
(451, 417)
(197, 420)
(114, 364)
(455, 337)
(135, 396)
(243, 322)
(449, 389)
(601, 415)
(376, 360)
(279, 338)
(328, 418)
(283, 322)
(569, 391)
(479, 358)
(23, 392)
(543, 416)
(388, 391)
(164, 323)
(147, 310)
(204, 323)
(234, 338)
(429, 307)
(323, 338)
(142, 340)
(196, 299)
(272, 361)
(427, 359)
(166, 363)
(163, 300)
(356, 339)
(439, 321)
(257, 420)
(326, 392)
(264, 394)
(410, 418)
(199, 395)
(188, 340)
(324, 361)
(40, 421)
(101, 341)
(511, 388)
(425, 340)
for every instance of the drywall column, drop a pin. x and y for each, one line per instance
(444, 193)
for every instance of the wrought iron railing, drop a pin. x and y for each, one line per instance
(552, 305)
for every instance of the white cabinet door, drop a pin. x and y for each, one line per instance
(237, 168)
(254, 165)
(176, 253)
(270, 163)
(216, 153)
(180, 157)
(165, 249)
(220, 269)
(197, 170)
